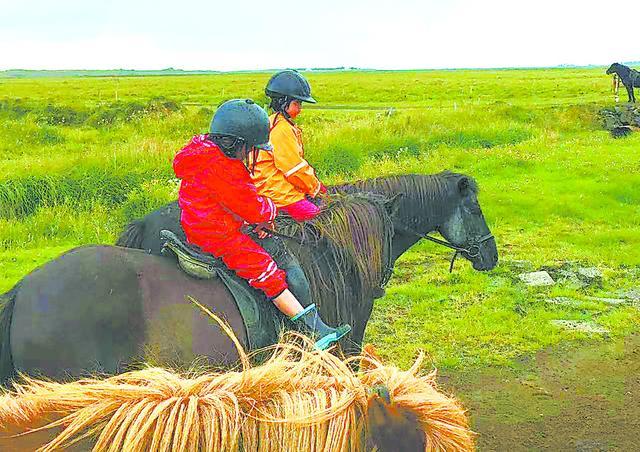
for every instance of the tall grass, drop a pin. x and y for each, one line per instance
(76, 165)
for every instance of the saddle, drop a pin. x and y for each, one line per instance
(191, 259)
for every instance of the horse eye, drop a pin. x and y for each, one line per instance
(473, 207)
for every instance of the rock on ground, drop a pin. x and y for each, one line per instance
(589, 272)
(621, 119)
(536, 279)
(583, 327)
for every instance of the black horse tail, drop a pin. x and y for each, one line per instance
(7, 301)
(132, 235)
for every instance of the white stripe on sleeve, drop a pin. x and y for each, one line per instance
(298, 167)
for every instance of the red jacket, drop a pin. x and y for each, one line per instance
(216, 195)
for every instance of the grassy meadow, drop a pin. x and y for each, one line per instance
(79, 157)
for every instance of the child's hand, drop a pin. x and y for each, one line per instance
(264, 230)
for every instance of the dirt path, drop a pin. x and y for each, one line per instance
(584, 398)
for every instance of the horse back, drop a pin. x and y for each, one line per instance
(105, 309)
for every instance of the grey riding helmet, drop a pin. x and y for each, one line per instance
(289, 83)
(242, 119)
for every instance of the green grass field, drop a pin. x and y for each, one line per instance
(79, 157)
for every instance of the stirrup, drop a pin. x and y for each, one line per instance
(326, 341)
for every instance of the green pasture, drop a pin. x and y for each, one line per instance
(79, 157)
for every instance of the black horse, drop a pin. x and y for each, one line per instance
(105, 308)
(630, 78)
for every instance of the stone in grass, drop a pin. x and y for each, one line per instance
(565, 301)
(570, 278)
(629, 294)
(583, 327)
(536, 279)
(611, 301)
(589, 273)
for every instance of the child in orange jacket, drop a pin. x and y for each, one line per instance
(283, 174)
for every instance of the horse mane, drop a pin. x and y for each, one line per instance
(345, 253)
(620, 69)
(426, 186)
(297, 400)
(426, 194)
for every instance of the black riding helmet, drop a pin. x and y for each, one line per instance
(243, 120)
(291, 84)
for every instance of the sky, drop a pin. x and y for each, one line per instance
(246, 35)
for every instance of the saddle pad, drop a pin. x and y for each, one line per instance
(262, 320)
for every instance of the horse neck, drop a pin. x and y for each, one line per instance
(418, 215)
(421, 210)
(622, 71)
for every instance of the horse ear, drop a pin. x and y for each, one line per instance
(463, 184)
(392, 204)
(392, 428)
(369, 356)
(370, 351)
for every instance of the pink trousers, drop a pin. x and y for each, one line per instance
(302, 210)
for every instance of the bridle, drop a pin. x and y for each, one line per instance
(471, 248)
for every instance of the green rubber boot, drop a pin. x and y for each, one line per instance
(317, 329)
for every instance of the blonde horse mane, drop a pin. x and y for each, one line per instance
(299, 399)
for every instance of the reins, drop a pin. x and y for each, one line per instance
(471, 248)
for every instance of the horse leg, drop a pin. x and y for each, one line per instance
(354, 345)
(630, 92)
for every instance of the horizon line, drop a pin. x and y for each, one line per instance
(317, 69)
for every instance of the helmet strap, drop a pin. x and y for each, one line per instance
(252, 159)
(232, 147)
(280, 105)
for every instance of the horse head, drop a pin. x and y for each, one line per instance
(466, 228)
(613, 68)
(399, 424)
(391, 427)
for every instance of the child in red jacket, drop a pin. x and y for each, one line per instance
(218, 197)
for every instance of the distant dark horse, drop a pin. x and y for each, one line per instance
(630, 78)
(104, 308)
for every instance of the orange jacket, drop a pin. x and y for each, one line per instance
(283, 175)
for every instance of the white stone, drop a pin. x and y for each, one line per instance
(536, 279)
(583, 327)
(631, 294)
(564, 301)
(612, 301)
(590, 272)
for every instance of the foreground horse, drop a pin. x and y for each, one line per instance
(106, 308)
(297, 401)
(630, 78)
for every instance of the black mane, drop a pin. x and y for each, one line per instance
(427, 197)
